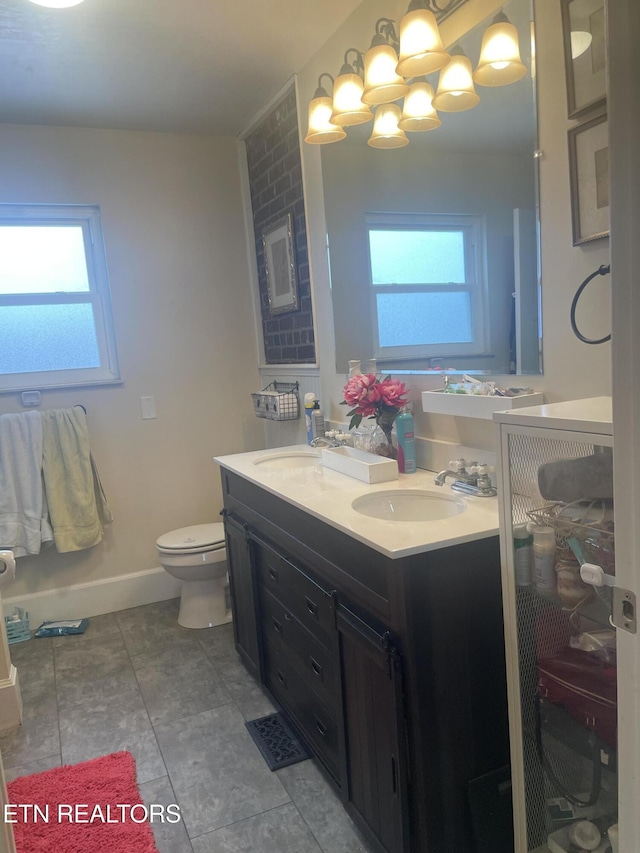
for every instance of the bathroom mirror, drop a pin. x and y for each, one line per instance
(457, 205)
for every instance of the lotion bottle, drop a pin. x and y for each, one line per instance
(317, 420)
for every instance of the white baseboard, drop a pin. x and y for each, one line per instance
(96, 597)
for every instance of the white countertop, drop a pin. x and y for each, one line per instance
(327, 495)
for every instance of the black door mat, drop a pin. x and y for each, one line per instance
(275, 740)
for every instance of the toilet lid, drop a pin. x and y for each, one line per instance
(195, 538)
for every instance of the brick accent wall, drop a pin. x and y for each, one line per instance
(275, 182)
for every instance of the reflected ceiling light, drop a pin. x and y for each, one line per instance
(421, 48)
(321, 129)
(418, 113)
(500, 62)
(386, 132)
(348, 108)
(456, 91)
(382, 83)
(57, 4)
(580, 42)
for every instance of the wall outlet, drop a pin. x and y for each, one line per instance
(148, 408)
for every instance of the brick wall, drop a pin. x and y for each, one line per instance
(275, 182)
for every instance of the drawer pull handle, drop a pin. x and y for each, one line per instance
(287, 616)
(281, 678)
(394, 776)
(277, 625)
(311, 607)
(273, 574)
(320, 726)
(316, 667)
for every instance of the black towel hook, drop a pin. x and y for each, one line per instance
(605, 269)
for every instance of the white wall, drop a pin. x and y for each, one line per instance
(572, 370)
(176, 252)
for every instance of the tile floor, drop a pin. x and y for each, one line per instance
(177, 699)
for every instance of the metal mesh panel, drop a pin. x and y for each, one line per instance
(544, 629)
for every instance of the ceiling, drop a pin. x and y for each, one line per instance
(195, 66)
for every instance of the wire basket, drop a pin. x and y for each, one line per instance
(17, 629)
(279, 401)
(590, 522)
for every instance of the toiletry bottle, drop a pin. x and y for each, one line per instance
(308, 410)
(522, 555)
(406, 442)
(317, 420)
(544, 558)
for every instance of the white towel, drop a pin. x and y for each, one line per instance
(24, 527)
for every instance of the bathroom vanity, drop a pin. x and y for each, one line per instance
(382, 640)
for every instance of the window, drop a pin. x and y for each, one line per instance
(427, 284)
(56, 328)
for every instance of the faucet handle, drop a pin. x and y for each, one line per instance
(457, 464)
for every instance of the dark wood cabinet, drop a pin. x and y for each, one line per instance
(391, 671)
(373, 703)
(242, 589)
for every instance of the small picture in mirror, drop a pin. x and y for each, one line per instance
(585, 54)
(280, 266)
(589, 172)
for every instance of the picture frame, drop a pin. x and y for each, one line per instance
(585, 55)
(280, 266)
(589, 176)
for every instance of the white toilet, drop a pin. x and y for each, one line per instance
(198, 557)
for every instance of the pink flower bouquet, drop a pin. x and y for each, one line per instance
(370, 397)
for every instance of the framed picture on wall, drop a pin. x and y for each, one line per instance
(280, 266)
(585, 54)
(589, 173)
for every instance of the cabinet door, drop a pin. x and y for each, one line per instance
(374, 731)
(243, 594)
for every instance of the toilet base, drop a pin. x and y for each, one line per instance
(203, 604)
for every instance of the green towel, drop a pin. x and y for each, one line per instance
(78, 508)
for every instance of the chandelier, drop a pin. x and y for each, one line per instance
(395, 68)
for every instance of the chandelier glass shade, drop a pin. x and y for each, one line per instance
(321, 129)
(386, 132)
(456, 91)
(418, 113)
(500, 62)
(382, 83)
(421, 48)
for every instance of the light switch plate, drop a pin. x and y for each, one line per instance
(31, 398)
(148, 408)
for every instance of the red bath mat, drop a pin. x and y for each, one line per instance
(82, 808)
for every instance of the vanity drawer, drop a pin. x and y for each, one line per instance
(315, 721)
(311, 605)
(317, 665)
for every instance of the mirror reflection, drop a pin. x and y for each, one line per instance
(433, 246)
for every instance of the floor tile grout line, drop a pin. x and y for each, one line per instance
(242, 819)
(55, 687)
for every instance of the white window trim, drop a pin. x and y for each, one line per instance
(98, 295)
(475, 273)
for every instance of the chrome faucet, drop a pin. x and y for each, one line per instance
(475, 481)
(323, 441)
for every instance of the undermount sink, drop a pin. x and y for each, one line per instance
(289, 459)
(408, 505)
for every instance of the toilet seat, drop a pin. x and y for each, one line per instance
(199, 538)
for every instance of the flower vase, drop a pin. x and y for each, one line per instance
(382, 444)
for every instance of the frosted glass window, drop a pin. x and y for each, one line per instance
(417, 257)
(423, 318)
(56, 327)
(47, 337)
(42, 259)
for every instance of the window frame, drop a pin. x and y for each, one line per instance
(473, 228)
(98, 296)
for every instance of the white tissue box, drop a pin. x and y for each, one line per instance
(359, 464)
